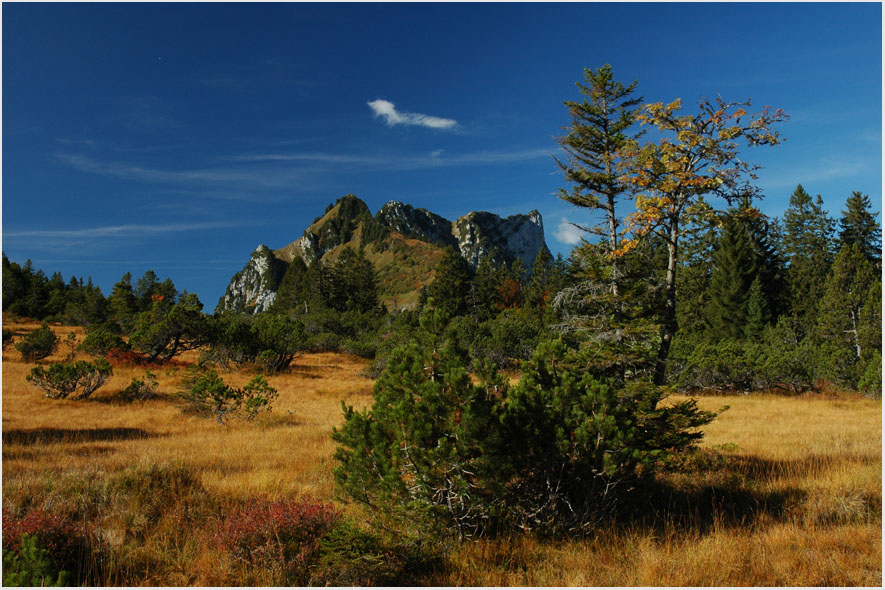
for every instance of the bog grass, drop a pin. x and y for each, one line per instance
(783, 491)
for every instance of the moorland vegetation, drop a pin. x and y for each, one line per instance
(512, 423)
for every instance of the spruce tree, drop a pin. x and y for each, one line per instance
(734, 270)
(858, 226)
(807, 246)
(483, 297)
(290, 294)
(356, 284)
(450, 288)
(600, 126)
(758, 312)
(122, 303)
(695, 270)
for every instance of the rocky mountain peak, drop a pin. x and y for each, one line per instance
(404, 243)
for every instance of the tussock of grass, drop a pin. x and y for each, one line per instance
(783, 491)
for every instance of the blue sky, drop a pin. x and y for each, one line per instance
(177, 137)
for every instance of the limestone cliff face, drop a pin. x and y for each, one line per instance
(415, 223)
(403, 242)
(480, 234)
(254, 288)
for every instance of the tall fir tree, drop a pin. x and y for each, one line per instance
(356, 282)
(483, 296)
(290, 294)
(122, 303)
(735, 268)
(450, 288)
(858, 226)
(600, 126)
(696, 268)
(758, 311)
(808, 249)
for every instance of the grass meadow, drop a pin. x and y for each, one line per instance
(783, 491)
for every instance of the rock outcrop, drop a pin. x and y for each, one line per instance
(254, 288)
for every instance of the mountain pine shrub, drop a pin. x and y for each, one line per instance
(59, 380)
(100, 341)
(38, 344)
(208, 393)
(439, 454)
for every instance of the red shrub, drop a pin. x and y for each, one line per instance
(129, 358)
(65, 539)
(283, 534)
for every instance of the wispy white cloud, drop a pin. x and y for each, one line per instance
(387, 110)
(400, 162)
(200, 175)
(241, 176)
(568, 233)
(826, 169)
(104, 238)
(109, 231)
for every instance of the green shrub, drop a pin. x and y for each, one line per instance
(38, 344)
(31, 566)
(207, 393)
(575, 445)
(729, 365)
(142, 389)
(60, 380)
(100, 341)
(350, 556)
(418, 457)
(556, 453)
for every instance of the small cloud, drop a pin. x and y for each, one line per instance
(568, 233)
(387, 110)
(435, 155)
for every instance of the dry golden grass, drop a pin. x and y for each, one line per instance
(791, 496)
(283, 454)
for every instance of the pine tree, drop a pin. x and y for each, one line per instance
(450, 288)
(290, 294)
(355, 282)
(122, 303)
(807, 246)
(758, 312)
(599, 127)
(734, 270)
(483, 297)
(858, 226)
(695, 270)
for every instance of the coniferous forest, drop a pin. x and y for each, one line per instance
(552, 400)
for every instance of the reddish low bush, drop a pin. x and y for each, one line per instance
(282, 536)
(120, 357)
(66, 540)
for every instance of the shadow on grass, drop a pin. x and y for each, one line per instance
(45, 436)
(660, 506)
(715, 490)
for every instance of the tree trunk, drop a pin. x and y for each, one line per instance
(668, 325)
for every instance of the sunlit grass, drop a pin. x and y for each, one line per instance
(790, 493)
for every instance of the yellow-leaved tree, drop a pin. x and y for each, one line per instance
(693, 155)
